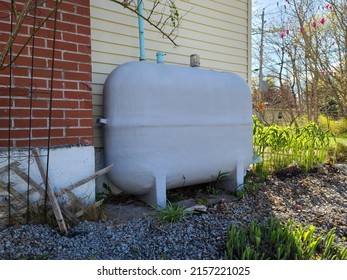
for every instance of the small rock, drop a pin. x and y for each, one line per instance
(197, 208)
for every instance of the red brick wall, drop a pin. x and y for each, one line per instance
(71, 115)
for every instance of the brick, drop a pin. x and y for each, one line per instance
(20, 71)
(19, 133)
(84, 3)
(18, 49)
(34, 143)
(5, 143)
(46, 93)
(68, 7)
(45, 113)
(86, 49)
(71, 104)
(39, 42)
(64, 26)
(69, 85)
(76, 18)
(63, 45)
(4, 124)
(82, 67)
(81, 39)
(39, 133)
(4, 36)
(21, 113)
(79, 132)
(65, 65)
(64, 122)
(26, 60)
(78, 95)
(5, 11)
(79, 114)
(83, 11)
(4, 135)
(85, 122)
(25, 123)
(48, 53)
(77, 76)
(25, 103)
(85, 104)
(77, 57)
(48, 33)
(26, 82)
(4, 102)
(81, 29)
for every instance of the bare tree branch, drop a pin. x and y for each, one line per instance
(159, 25)
(20, 17)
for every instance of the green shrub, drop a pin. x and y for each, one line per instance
(277, 241)
(282, 146)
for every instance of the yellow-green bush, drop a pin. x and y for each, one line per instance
(337, 127)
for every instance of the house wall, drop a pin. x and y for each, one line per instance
(71, 122)
(25, 102)
(217, 30)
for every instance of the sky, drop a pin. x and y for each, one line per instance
(264, 3)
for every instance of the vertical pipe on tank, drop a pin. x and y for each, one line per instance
(141, 30)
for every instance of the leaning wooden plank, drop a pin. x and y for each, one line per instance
(96, 205)
(69, 215)
(77, 202)
(35, 187)
(5, 168)
(53, 200)
(87, 179)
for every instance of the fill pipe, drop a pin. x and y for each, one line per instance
(141, 30)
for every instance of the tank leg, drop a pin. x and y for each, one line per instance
(236, 178)
(157, 195)
(240, 175)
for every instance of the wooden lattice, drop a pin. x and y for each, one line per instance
(24, 199)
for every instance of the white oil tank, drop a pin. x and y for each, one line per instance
(169, 126)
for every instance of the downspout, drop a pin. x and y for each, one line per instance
(141, 30)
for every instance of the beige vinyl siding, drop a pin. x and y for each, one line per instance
(217, 30)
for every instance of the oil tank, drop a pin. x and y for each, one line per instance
(168, 126)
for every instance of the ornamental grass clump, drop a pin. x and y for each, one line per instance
(274, 240)
(172, 213)
(282, 146)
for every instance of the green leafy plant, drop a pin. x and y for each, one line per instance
(171, 213)
(106, 194)
(254, 180)
(281, 241)
(282, 146)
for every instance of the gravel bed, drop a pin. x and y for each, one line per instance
(318, 198)
(199, 236)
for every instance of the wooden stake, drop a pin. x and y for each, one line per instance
(53, 200)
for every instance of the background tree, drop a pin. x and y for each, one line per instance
(305, 46)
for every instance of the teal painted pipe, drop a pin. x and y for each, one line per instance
(160, 57)
(141, 30)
